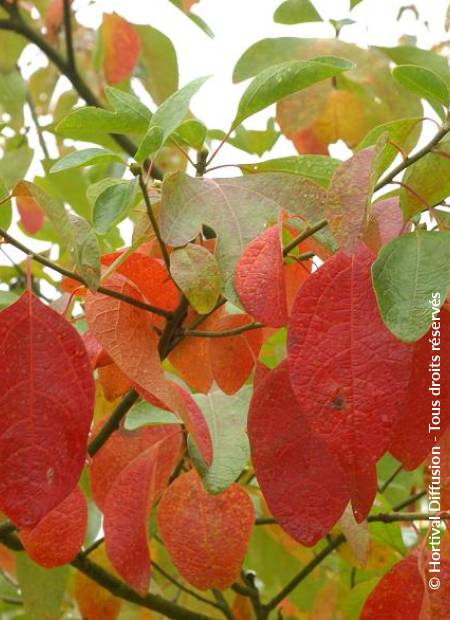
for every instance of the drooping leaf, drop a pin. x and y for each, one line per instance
(259, 279)
(58, 537)
(422, 82)
(226, 417)
(234, 357)
(85, 157)
(128, 504)
(301, 479)
(43, 432)
(158, 63)
(413, 439)
(237, 209)
(117, 453)
(74, 231)
(196, 272)
(112, 204)
(349, 197)
(408, 274)
(339, 352)
(121, 47)
(125, 332)
(296, 12)
(282, 80)
(42, 589)
(218, 528)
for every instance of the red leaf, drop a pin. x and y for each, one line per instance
(363, 484)
(121, 449)
(31, 214)
(128, 505)
(206, 535)
(121, 48)
(126, 333)
(97, 355)
(113, 381)
(58, 537)
(295, 275)
(233, 357)
(412, 440)
(400, 594)
(301, 479)
(348, 372)
(259, 280)
(306, 141)
(46, 407)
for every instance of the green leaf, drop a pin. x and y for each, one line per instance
(112, 204)
(237, 209)
(318, 168)
(42, 589)
(422, 82)
(91, 124)
(354, 3)
(85, 157)
(427, 181)
(266, 53)
(14, 165)
(145, 414)
(169, 116)
(193, 17)
(6, 298)
(279, 81)
(226, 417)
(151, 143)
(406, 274)
(74, 232)
(5, 208)
(158, 63)
(196, 272)
(192, 133)
(410, 55)
(296, 12)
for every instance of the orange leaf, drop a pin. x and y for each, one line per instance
(113, 381)
(206, 535)
(121, 47)
(31, 214)
(233, 357)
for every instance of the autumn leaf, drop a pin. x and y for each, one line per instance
(301, 479)
(218, 528)
(43, 432)
(121, 47)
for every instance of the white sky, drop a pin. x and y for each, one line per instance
(239, 23)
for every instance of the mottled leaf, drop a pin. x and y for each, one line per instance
(121, 47)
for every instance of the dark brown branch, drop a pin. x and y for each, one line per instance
(69, 37)
(113, 422)
(235, 331)
(75, 276)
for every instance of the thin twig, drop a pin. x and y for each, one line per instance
(391, 478)
(182, 587)
(235, 331)
(308, 232)
(154, 223)
(75, 276)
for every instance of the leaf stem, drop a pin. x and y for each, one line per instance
(75, 276)
(154, 223)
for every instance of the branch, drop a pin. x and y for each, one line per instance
(16, 24)
(184, 588)
(235, 331)
(308, 232)
(69, 37)
(115, 586)
(154, 223)
(334, 544)
(75, 276)
(113, 422)
(413, 158)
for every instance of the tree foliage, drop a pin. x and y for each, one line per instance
(235, 410)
